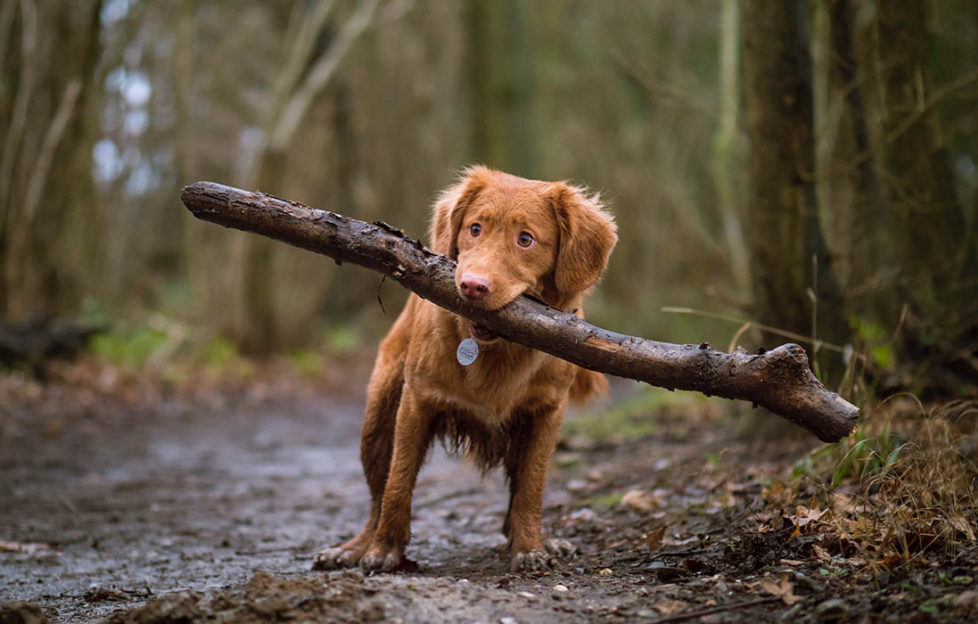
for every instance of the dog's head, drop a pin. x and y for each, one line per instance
(512, 236)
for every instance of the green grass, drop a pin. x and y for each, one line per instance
(631, 419)
(133, 348)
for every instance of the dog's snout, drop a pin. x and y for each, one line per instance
(474, 286)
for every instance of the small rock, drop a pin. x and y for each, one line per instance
(507, 620)
(966, 601)
(832, 610)
(526, 594)
(561, 588)
(667, 573)
(577, 485)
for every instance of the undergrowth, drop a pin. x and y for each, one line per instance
(902, 488)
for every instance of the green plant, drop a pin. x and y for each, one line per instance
(630, 419)
(133, 348)
(868, 453)
(307, 362)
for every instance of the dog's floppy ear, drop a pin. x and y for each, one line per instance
(450, 207)
(587, 236)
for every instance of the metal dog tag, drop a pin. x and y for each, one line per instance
(467, 351)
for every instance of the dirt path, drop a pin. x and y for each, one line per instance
(200, 511)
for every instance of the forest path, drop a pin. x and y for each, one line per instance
(213, 511)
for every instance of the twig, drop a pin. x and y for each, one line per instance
(67, 503)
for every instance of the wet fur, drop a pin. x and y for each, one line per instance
(506, 408)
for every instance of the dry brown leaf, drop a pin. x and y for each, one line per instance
(805, 515)
(668, 606)
(961, 523)
(890, 562)
(797, 531)
(653, 539)
(821, 553)
(782, 588)
(778, 494)
(639, 500)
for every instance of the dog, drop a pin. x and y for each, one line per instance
(510, 236)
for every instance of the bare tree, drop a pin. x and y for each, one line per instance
(49, 223)
(927, 236)
(307, 68)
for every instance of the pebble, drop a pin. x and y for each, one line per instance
(832, 610)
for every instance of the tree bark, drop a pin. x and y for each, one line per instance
(789, 259)
(779, 379)
(501, 76)
(48, 242)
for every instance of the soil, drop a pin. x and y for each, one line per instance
(212, 509)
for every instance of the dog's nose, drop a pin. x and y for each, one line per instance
(474, 286)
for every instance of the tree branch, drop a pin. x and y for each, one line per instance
(779, 379)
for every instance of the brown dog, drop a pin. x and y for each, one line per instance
(510, 236)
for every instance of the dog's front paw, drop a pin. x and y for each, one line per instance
(559, 547)
(382, 558)
(532, 561)
(541, 559)
(336, 557)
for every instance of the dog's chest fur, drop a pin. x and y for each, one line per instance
(504, 378)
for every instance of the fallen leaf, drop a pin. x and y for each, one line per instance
(668, 606)
(639, 500)
(890, 562)
(782, 588)
(654, 538)
(821, 553)
(778, 494)
(960, 523)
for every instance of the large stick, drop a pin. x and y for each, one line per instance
(779, 379)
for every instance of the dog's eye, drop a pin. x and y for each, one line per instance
(524, 240)
(475, 229)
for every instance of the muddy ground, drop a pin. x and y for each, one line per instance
(211, 510)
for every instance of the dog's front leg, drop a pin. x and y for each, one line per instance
(528, 477)
(412, 437)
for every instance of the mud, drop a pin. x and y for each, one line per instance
(212, 511)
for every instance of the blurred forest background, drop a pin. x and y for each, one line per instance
(810, 167)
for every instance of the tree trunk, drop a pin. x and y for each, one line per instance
(932, 250)
(793, 284)
(307, 68)
(501, 78)
(849, 193)
(49, 225)
(778, 379)
(724, 141)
